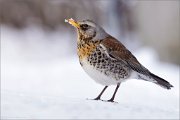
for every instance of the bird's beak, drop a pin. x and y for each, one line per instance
(73, 23)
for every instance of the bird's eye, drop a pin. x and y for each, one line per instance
(84, 26)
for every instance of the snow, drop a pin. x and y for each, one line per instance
(38, 81)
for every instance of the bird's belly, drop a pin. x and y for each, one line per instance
(97, 75)
(105, 73)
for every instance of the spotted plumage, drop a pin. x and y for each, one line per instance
(86, 49)
(107, 60)
(107, 65)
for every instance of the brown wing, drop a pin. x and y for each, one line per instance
(118, 51)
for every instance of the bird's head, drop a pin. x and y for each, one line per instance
(88, 30)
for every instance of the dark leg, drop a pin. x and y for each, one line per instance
(112, 99)
(99, 96)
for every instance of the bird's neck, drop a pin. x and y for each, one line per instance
(85, 38)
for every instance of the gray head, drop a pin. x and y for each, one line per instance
(87, 29)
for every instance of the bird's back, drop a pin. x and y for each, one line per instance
(119, 52)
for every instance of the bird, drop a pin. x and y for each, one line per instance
(106, 60)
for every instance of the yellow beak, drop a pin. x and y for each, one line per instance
(73, 23)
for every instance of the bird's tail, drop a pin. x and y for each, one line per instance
(155, 79)
(160, 81)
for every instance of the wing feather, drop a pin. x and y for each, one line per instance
(118, 51)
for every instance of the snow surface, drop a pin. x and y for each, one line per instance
(39, 82)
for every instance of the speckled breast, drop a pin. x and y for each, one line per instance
(107, 65)
(86, 49)
(100, 66)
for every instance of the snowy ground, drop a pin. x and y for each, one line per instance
(35, 86)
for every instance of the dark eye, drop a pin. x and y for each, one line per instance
(84, 26)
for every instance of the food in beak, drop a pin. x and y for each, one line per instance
(72, 22)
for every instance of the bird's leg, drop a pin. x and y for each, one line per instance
(112, 99)
(99, 96)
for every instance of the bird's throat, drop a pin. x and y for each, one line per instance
(85, 37)
(86, 48)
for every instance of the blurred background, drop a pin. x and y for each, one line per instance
(151, 23)
(38, 49)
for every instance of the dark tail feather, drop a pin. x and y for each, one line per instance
(163, 83)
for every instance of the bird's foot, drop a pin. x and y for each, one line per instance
(95, 99)
(110, 100)
(98, 98)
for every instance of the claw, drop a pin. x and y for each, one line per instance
(112, 101)
(94, 99)
(97, 98)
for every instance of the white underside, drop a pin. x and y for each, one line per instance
(100, 77)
